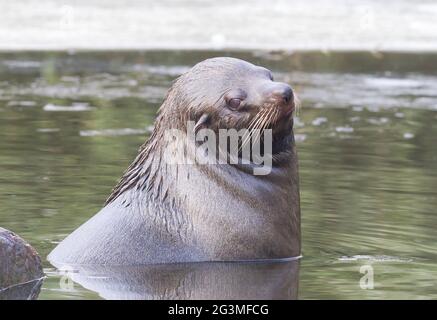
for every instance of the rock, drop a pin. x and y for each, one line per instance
(21, 272)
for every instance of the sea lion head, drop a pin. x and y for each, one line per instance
(229, 93)
(218, 93)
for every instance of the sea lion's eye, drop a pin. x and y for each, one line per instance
(234, 98)
(234, 103)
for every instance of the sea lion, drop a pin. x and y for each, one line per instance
(167, 212)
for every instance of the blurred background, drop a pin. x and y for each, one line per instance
(209, 24)
(81, 81)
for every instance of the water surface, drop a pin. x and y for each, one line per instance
(71, 123)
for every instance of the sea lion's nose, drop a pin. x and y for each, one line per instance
(282, 93)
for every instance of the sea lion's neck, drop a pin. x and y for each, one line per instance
(189, 200)
(145, 170)
(158, 165)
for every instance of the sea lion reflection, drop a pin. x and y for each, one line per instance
(193, 281)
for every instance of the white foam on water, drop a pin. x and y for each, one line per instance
(300, 137)
(48, 130)
(172, 71)
(319, 121)
(21, 103)
(378, 121)
(113, 132)
(408, 135)
(345, 129)
(78, 107)
(392, 83)
(370, 258)
(24, 64)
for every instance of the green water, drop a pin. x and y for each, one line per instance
(71, 123)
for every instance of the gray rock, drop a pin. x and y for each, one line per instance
(21, 272)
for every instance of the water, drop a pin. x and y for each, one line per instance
(71, 123)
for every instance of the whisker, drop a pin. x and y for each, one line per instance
(253, 124)
(297, 104)
(264, 124)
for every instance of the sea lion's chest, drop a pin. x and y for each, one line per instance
(229, 209)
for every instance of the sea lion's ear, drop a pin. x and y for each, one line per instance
(201, 123)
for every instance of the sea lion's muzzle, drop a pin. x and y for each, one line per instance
(280, 95)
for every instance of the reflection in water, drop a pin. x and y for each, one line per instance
(192, 281)
(25, 291)
(366, 140)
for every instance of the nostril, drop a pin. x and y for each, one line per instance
(281, 93)
(287, 95)
(286, 99)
